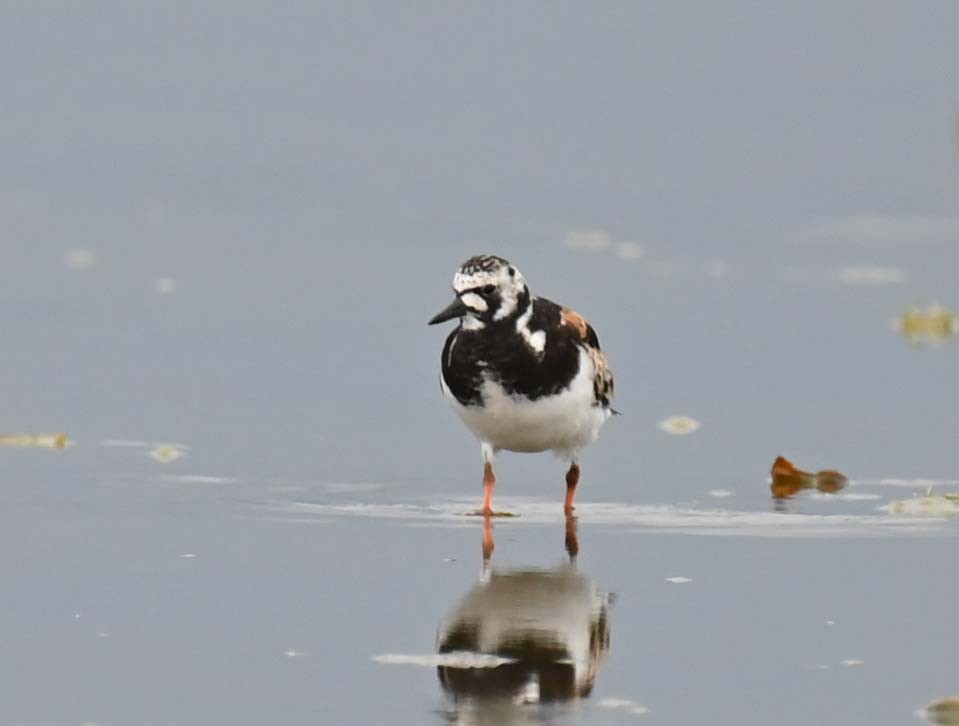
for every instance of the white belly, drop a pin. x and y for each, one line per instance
(565, 422)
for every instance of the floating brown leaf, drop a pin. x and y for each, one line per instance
(788, 480)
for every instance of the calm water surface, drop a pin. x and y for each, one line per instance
(224, 230)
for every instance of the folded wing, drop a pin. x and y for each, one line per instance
(603, 376)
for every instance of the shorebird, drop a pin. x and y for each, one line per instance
(522, 372)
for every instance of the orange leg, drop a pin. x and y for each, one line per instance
(487, 539)
(572, 479)
(489, 481)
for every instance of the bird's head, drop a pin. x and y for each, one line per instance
(488, 289)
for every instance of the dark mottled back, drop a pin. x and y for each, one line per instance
(509, 360)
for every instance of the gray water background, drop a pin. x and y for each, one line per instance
(311, 175)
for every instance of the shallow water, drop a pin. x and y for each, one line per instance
(221, 244)
(195, 601)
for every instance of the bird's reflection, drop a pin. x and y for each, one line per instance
(549, 628)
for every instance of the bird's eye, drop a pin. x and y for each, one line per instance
(487, 289)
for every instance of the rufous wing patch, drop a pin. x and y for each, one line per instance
(602, 375)
(576, 321)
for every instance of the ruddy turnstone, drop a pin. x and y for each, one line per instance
(524, 373)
